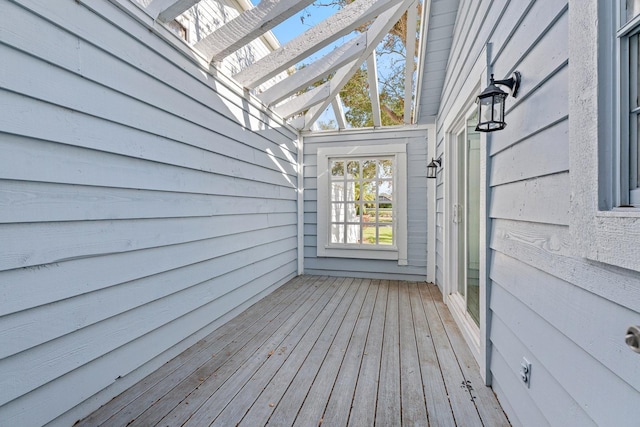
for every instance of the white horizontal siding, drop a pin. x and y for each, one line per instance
(416, 213)
(567, 316)
(142, 203)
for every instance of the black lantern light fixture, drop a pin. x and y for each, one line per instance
(432, 168)
(491, 103)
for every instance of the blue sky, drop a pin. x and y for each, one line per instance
(294, 26)
(308, 18)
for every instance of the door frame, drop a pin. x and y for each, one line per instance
(458, 303)
(477, 338)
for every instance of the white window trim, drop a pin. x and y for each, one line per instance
(600, 231)
(397, 252)
(628, 193)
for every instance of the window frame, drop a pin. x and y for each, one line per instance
(602, 230)
(380, 252)
(627, 41)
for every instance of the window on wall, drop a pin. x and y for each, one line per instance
(362, 202)
(628, 34)
(604, 131)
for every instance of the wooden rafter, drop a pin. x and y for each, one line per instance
(304, 101)
(316, 71)
(329, 30)
(248, 26)
(254, 22)
(375, 34)
(412, 19)
(338, 111)
(167, 10)
(374, 95)
(309, 99)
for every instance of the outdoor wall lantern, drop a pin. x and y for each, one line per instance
(491, 103)
(432, 168)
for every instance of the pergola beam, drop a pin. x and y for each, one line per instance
(167, 10)
(310, 98)
(410, 43)
(375, 34)
(338, 111)
(304, 101)
(319, 69)
(341, 23)
(248, 26)
(374, 95)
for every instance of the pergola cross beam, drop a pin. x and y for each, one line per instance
(310, 98)
(375, 34)
(338, 111)
(167, 10)
(337, 25)
(410, 43)
(316, 71)
(374, 94)
(247, 26)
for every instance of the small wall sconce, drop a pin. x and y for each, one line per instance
(491, 103)
(432, 168)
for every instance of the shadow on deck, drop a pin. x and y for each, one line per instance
(319, 350)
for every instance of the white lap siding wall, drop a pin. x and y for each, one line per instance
(566, 315)
(416, 142)
(142, 203)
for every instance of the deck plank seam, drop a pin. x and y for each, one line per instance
(258, 359)
(286, 314)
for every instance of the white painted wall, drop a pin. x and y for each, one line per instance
(566, 315)
(143, 202)
(416, 140)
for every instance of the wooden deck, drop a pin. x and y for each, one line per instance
(319, 350)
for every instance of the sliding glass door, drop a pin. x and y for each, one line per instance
(467, 218)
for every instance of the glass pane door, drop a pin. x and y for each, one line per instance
(473, 221)
(468, 218)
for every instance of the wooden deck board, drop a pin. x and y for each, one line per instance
(435, 391)
(331, 351)
(262, 409)
(318, 395)
(388, 405)
(285, 413)
(414, 410)
(220, 394)
(339, 405)
(365, 399)
(289, 366)
(138, 398)
(199, 385)
(463, 407)
(490, 415)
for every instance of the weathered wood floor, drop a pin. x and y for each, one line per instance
(330, 351)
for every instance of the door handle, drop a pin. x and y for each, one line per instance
(633, 338)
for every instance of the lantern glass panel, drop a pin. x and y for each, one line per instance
(432, 170)
(491, 112)
(498, 108)
(486, 109)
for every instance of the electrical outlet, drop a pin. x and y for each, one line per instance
(525, 372)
